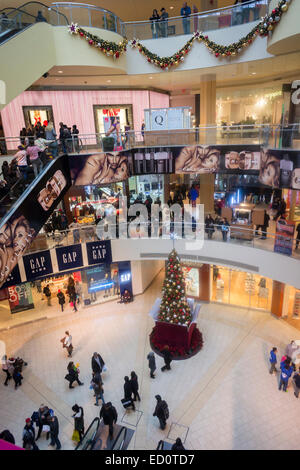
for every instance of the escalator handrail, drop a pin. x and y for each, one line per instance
(121, 430)
(160, 445)
(93, 439)
(19, 9)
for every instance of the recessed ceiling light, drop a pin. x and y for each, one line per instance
(253, 73)
(171, 8)
(108, 81)
(60, 71)
(150, 78)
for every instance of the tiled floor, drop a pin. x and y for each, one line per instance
(224, 396)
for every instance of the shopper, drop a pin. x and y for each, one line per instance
(61, 299)
(225, 229)
(151, 364)
(297, 236)
(41, 419)
(185, 12)
(128, 392)
(73, 375)
(75, 140)
(161, 411)
(296, 382)
(52, 136)
(21, 161)
(273, 360)
(7, 369)
(40, 18)
(17, 376)
(72, 293)
(177, 445)
(291, 349)
(33, 151)
(134, 386)
(97, 386)
(67, 343)
(163, 23)
(47, 293)
(7, 436)
(54, 432)
(110, 416)
(286, 372)
(154, 23)
(97, 363)
(209, 226)
(167, 358)
(78, 420)
(29, 435)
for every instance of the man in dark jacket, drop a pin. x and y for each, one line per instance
(128, 392)
(29, 435)
(167, 358)
(54, 431)
(161, 411)
(97, 363)
(152, 364)
(110, 416)
(265, 226)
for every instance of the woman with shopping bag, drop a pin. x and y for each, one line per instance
(78, 423)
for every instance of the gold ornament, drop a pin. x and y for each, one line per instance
(285, 7)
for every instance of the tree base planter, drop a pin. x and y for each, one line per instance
(183, 342)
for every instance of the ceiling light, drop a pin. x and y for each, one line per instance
(171, 8)
(253, 73)
(150, 78)
(108, 81)
(60, 71)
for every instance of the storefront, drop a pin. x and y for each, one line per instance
(147, 185)
(227, 286)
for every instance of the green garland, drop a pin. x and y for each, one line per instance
(264, 28)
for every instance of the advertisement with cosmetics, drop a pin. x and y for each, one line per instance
(19, 230)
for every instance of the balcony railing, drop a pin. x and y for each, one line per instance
(272, 136)
(171, 230)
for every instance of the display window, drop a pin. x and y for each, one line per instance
(113, 121)
(293, 302)
(41, 114)
(100, 283)
(148, 185)
(191, 277)
(220, 284)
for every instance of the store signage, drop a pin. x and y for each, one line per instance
(69, 257)
(284, 237)
(20, 298)
(125, 277)
(99, 252)
(38, 265)
(13, 279)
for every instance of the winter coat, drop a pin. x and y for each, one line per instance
(28, 435)
(95, 366)
(79, 421)
(273, 358)
(167, 356)
(286, 373)
(54, 426)
(127, 390)
(61, 298)
(159, 410)
(151, 361)
(109, 415)
(134, 384)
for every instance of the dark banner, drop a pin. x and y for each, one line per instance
(125, 277)
(101, 168)
(99, 252)
(284, 237)
(20, 298)
(69, 257)
(30, 214)
(37, 265)
(13, 279)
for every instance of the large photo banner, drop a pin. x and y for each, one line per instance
(284, 238)
(31, 212)
(101, 168)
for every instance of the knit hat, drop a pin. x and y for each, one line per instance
(28, 420)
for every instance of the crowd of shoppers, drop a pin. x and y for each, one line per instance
(287, 367)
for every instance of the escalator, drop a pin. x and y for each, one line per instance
(26, 215)
(21, 36)
(96, 437)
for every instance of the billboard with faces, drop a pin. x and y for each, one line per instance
(25, 220)
(280, 168)
(100, 168)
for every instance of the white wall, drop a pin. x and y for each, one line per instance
(266, 263)
(143, 273)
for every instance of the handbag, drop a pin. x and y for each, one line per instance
(104, 369)
(126, 403)
(68, 377)
(75, 436)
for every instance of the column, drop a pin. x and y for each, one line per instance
(207, 189)
(208, 103)
(277, 298)
(292, 205)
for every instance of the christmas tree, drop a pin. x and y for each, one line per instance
(174, 307)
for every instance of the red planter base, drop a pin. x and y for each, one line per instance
(183, 342)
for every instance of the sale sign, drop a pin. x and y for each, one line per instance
(20, 298)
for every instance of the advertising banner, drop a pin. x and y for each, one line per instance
(99, 252)
(101, 168)
(284, 237)
(13, 279)
(30, 214)
(37, 265)
(69, 257)
(20, 298)
(125, 277)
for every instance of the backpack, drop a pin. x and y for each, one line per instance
(165, 409)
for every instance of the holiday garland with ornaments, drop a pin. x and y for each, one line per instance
(264, 28)
(174, 307)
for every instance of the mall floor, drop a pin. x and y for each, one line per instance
(222, 398)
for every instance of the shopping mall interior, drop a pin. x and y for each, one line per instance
(149, 212)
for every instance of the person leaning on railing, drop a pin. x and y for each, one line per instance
(163, 23)
(155, 18)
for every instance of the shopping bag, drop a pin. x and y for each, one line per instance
(75, 436)
(104, 369)
(46, 428)
(126, 403)
(71, 304)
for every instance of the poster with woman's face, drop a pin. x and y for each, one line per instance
(244, 160)
(52, 190)
(198, 159)
(101, 168)
(269, 174)
(15, 236)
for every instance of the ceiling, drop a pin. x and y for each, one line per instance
(135, 10)
(255, 73)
